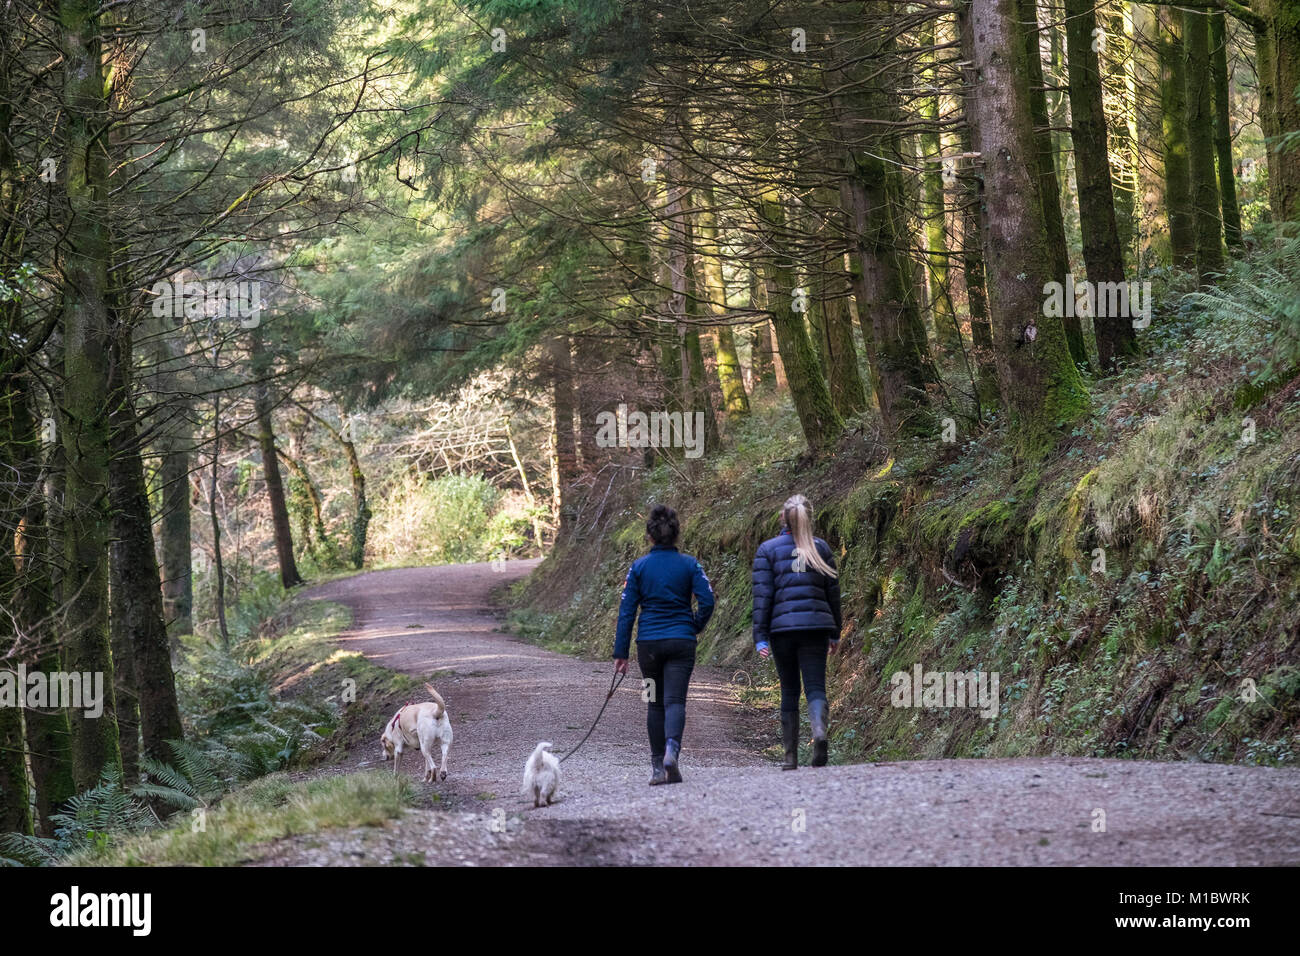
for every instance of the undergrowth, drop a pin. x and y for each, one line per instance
(1135, 590)
(281, 697)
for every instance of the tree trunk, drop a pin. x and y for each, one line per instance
(820, 422)
(1207, 226)
(1277, 55)
(173, 449)
(1102, 254)
(1044, 159)
(1040, 383)
(49, 738)
(887, 306)
(84, 402)
(735, 401)
(1147, 66)
(262, 404)
(564, 457)
(176, 540)
(1223, 129)
(884, 284)
(361, 513)
(1173, 113)
(306, 501)
(695, 383)
(972, 215)
(19, 448)
(1124, 135)
(833, 326)
(17, 444)
(762, 359)
(140, 647)
(831, 319)
(218, 561)
(947, 333)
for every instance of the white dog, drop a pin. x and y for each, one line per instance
(421, 727)
(541, 775)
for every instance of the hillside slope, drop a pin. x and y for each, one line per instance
(1135, 588)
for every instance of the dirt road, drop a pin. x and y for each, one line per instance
(504, 695)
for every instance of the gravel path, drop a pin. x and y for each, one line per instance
(734, 807)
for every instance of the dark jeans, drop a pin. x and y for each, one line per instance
(668, 665)
(795, 653)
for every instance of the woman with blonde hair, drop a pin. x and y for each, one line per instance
(797, 620)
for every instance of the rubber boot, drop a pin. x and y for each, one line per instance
(790, 740)
(657, 774)
(670, 761)
(817, 718)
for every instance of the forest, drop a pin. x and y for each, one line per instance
(291, 291)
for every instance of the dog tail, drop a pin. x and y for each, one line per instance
(442, 705)
(535, 761)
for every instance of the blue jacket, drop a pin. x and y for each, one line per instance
(789, 600)
(661, 584)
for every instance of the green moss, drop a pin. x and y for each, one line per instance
(975, 557)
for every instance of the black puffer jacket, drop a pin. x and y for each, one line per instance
(790, 600)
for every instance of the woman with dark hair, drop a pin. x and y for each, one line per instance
(796, 620)
(660, 585)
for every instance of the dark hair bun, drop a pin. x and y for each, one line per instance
(663, 526)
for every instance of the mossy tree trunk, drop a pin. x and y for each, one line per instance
(820, 422)
(19, 448)
(1044, 162)
(888, 308)
(831, 320)
(1147, 66)
(282, 530)
(884, 282)
(49, 739)
(141, 652)
(761, 348)
(1173, 115)
(17, 445)
(1277, 57)
(1125, 177)
(84, 427)
(694, 376)
(176, 542)
(947, 333)
(972, 215)
(1103, 255)
(1040, 383)
(1222, 89)
(735, 400)
(34, 540)
(173, 448)
(1206, 223)
(833, 325)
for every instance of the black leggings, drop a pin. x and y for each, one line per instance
(795, 653)
(667, 664)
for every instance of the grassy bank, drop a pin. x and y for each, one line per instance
(263, 719)
(1135, 587)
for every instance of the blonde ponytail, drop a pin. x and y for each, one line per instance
(797, 513)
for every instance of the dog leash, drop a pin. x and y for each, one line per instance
(613, 686)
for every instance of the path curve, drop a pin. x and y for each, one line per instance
(735, 807)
